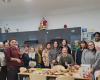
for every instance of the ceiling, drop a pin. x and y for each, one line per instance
(23, 8)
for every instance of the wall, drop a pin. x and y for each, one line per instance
(84, 18)
(44, 36)
(89, 19)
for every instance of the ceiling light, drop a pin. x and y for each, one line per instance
(5, 1)
(28, 0)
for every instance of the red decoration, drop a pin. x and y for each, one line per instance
(43, 24)
(65, 26)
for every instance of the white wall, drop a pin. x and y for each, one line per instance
(89, 19)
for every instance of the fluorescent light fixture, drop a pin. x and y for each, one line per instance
(28, 0)
(6, 1)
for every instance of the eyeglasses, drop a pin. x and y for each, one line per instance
(91, 45)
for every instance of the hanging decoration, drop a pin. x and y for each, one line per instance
(43, 24)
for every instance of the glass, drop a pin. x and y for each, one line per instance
(90, 45)
(58, 58)
(66, 64)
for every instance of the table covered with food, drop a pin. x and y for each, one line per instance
(58, 72)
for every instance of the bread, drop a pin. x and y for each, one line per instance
(22, 69)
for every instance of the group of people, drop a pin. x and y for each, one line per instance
(47, 56)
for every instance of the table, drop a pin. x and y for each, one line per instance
(37, 76)
(32, 76)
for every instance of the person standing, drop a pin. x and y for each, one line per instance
(25, 57)
(65, 44)
(3, 68)
(54, 52)
(38, 57)
(75, 47)
(91, 56)
(97, 40)
(13, 60)
(45, 55)
(78, 53)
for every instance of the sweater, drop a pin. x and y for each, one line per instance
(66, 59)
(88, 57)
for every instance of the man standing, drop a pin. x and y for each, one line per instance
(97, 40)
